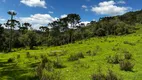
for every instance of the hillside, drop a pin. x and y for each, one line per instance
(22, 64)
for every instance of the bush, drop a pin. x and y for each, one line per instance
(80, 55)
(45, 64)
(18, 56)
(100, 32)
(89, 52)
(73, 58)
(10, 60)
(93, 53)
(109, 76)
(46, 75)
(76, 56)
(126, 65)
(130, 43)
(58, 63)
(99, 76)
(35, 57)
(127, 55)
(114, 59)
(28, 55)
(29, 39)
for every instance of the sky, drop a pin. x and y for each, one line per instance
(41, 12)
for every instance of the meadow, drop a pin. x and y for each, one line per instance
(21, 64)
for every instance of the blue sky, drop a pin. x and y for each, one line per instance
(42, 12)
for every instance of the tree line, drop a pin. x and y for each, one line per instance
(64, 30)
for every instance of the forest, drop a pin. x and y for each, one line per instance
(64, 30)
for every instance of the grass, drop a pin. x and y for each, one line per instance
(24, 62)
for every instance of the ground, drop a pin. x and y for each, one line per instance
(24, 67)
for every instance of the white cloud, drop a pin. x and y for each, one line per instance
(94, 20)
(121, 2)
(51, 12)
(38, 20)
(2, 20)
(84, 7)
(109, 8)
(85, 22)
(34, 3)
(63, 16)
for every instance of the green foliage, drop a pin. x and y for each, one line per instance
(129, 43)
(10, 60)
(114, 59)
(58, 63)
(18, 56)
(126, 65)
(100, 32)
(28, 55)
(50, 75)
(73, 58)
(76, 56)
(60, 34)
(109, 76)
(29, 39)
(127, 55)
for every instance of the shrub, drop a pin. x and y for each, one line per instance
(28, 55)
(111, 75)
(76, 56)
(94, 53)
(35, 57)
(45, 64)
(126, 65)
(58, 63)
(46, 75)
(42, 56)
(10, 60)
(52, 54)
(73, 58)
(130, 43)
(127, 55)
(18, 56)
(100, 32)
(114, 59)
(99, 76)
(80, 55)
(89, 52)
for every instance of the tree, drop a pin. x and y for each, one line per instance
(29, 39)
(24, 28)
(63, 24)
(1, 37)
(11, 23)
(100, 32)
(73, 19)
(44, 29)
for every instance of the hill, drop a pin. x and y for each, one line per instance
(76, 61)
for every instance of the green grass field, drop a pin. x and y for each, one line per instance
(24, 67)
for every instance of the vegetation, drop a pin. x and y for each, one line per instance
(64, 30)
(69, 50)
